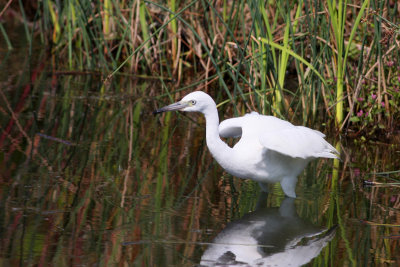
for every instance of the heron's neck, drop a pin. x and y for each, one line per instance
(217, 147)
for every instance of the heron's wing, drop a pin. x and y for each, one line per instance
(298, 142)
(278, 135)
(234, 127)
(231, 127)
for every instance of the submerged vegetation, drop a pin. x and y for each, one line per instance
(307, 61)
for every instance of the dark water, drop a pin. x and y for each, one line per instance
(89, 177)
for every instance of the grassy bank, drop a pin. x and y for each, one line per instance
(306, 61)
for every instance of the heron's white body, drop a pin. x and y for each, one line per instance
(270, 149)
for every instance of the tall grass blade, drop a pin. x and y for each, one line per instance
(296, 56)
(5, 36)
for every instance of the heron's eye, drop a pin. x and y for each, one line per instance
(193, 102)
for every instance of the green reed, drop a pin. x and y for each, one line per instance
(5, 36)
(337, 14)
(249, 46)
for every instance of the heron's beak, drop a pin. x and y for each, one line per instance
(176, 106)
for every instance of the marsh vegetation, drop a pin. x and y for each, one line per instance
(88, 176)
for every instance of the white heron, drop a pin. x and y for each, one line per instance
(270, 150)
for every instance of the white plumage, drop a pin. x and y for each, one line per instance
(270, 149)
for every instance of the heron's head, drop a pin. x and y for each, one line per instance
(194, 102)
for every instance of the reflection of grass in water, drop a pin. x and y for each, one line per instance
(173, 192)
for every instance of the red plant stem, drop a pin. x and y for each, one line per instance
(21, 103)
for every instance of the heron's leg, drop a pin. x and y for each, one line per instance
(287, 208)
(264, 187)
(262, 201)
(288, 185)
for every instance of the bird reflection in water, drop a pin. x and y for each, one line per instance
(268, 237)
